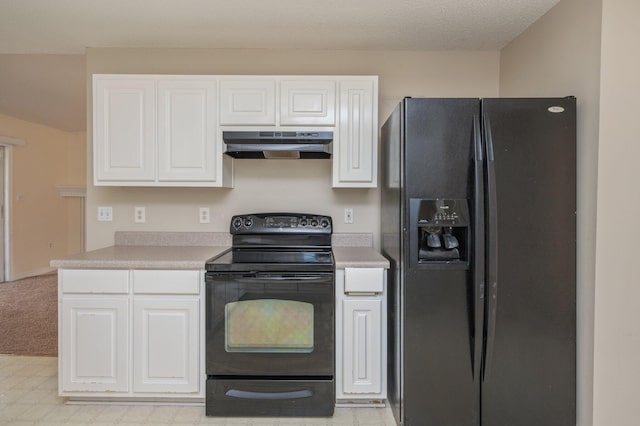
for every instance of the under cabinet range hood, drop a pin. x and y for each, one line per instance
(278, 144)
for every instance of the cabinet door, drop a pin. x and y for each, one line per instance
(355, 159)
(124, 129)
(95, 344)
(307, 102)
(248, 102)
(362, 345)
(187, 146)
(166, 344)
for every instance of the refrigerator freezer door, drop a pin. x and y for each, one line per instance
(478, 263)
(532, 349)
(491, 258)
(440, 381)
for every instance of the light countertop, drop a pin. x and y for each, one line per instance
(193, 257)
(141, 257)
(191, 250)
(358, 257)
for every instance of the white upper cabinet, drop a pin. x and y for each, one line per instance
(250, 101)
(166, 130)
(277, 101)
(124, 129)
(355, 153)
(157, 131)
(307, 102)
(187, 149)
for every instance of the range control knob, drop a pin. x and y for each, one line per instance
(303, 222)
(324, 223)
(237, 223)
(314, 222)
(248, 222)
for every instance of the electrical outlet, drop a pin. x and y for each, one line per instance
(348, 215)
(105, 214)
(205, 215)
(139, 215)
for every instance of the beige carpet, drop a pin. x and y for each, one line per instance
(29, 316)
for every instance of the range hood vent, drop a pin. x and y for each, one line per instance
(278, 144)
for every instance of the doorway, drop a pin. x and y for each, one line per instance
(3, 216)
(6, 146)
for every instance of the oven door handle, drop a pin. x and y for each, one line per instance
(260, 279)
(236, 393)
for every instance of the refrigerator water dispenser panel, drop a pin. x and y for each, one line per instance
(441, 228)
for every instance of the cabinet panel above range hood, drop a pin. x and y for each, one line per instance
(278, 144)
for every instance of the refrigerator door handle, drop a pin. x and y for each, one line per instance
(491, 251)
(478, 249)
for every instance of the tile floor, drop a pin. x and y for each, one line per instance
(29, 396)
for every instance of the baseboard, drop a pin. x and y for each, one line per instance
(361, 403)
(31, 274)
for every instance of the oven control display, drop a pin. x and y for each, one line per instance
(277, 223)
(281, 222)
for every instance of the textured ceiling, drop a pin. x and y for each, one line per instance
(68, 26)
(31, 88)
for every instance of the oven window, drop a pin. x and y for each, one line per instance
(269, 325)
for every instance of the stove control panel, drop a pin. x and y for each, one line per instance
(272, 223)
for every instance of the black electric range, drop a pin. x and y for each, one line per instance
(270, 318)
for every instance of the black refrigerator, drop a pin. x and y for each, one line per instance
(479, 224)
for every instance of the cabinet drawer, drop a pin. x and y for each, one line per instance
(166, 282)
(363, 280)
(113, 281)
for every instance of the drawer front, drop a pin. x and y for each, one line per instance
(111, 281)
(166, 282)
(363, 280)
(274, 398)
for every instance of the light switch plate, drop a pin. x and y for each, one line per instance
(348, 215)
(105, 214)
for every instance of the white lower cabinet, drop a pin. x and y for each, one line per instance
(130, 334)
(95, 344)
(165, 344)
(361, 336)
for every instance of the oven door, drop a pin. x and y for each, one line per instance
(270, 324)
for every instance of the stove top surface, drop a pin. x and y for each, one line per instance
(282, 259)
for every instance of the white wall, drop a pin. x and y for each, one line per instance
(617, 309)
(560, 55)
(275, 184)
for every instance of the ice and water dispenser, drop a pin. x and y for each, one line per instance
(440, 234)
